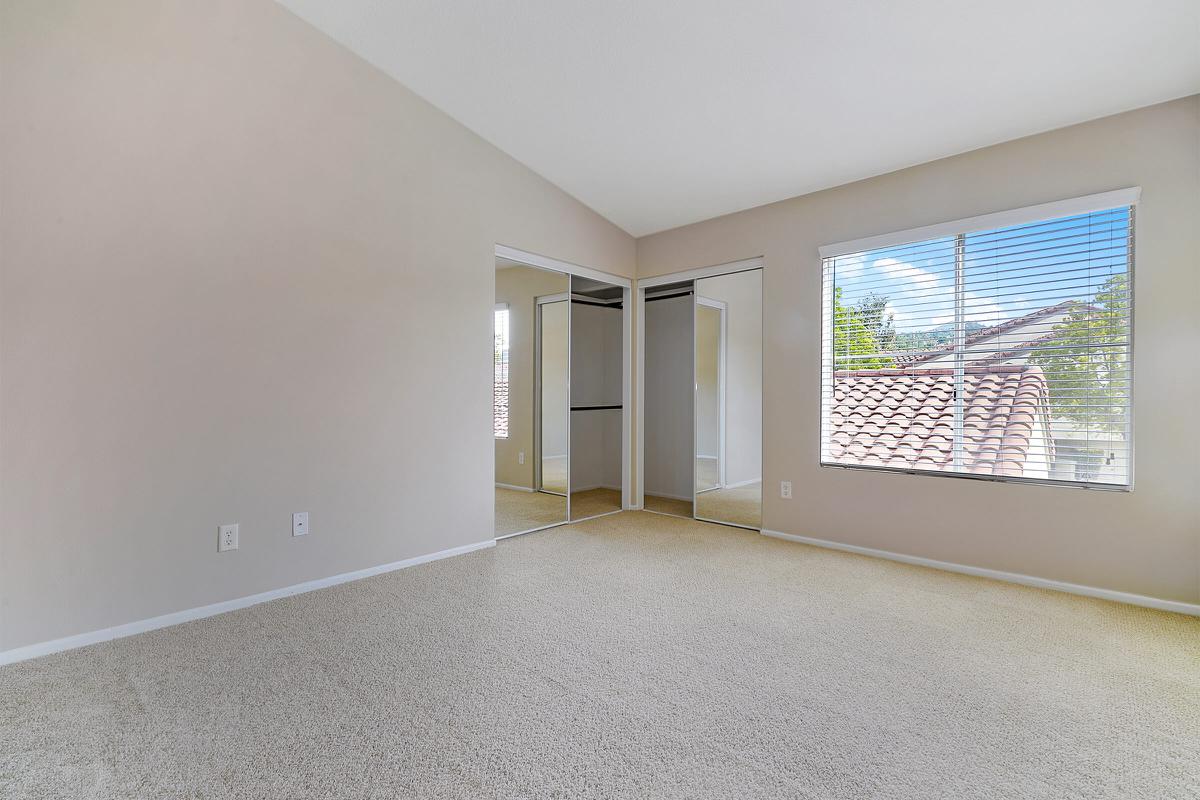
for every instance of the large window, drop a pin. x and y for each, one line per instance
(500, 372)
(998, 351)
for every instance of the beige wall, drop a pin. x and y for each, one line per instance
(520, 287)
(1146, 541)
(244, 274)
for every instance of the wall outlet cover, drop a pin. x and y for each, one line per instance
(227, 538)
(300, 523)
(785, 490)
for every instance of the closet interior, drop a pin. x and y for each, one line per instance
(702, 398)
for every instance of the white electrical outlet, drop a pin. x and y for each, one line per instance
(521, 457)
(785, 490)
(227, 538)
(300, 523)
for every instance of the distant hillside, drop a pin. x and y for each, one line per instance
(934, 337)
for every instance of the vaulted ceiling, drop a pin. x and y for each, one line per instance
(658, 113)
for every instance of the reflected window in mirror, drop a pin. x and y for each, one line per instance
(500, 372)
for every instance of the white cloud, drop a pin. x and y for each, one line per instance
(936, 308)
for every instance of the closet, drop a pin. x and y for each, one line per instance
(557, 396)
(702, 397)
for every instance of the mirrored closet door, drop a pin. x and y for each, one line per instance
(728, 398)
(530, 397)
(702, 398)
(557, 397)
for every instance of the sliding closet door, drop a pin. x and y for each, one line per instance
(529, 397)
(596, 397)
(727, 468)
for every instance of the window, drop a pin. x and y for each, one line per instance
(500, 372)
(996, 351)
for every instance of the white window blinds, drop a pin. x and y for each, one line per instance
(1001, 353)
(500, 372)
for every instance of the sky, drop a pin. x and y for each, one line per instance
(1008, 272)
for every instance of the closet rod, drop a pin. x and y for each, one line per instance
(688, 293)
(596, 303)
(595, 408)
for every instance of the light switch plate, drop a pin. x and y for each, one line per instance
(300, 523)
(227, 538)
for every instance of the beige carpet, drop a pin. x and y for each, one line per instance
(667, 505)
(632, 656)
(593, 502)
(741, 505)
(521, 511)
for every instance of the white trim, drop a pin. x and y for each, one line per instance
(1000, 219)
(702, 272)
(598, 516)
(742, 483)
(639, 447)
(532, 530)
(1177, 606)
(167, 620)
(500, 485)
(626, 393)
(545, 262)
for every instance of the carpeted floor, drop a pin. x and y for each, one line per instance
(667, 505)
(521, 511)
(741, 505)
(631, 656)
(592, 502)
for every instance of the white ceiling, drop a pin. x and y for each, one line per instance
(657, 113)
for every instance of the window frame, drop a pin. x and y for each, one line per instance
(1128, 197)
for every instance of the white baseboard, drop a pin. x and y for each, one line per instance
(166, 620)
(742, 483)
(514, 488)
(1177, 606)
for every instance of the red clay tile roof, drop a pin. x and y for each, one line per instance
(905, 418)
(907, 359)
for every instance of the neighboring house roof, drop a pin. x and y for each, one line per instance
(905, 418)
(1015, 336)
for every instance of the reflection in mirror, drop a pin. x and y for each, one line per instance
(596, 395)
(667, 403)
(728, 399)
(529, 397)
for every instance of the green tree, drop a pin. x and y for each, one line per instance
(1087, 362)
(855, 345)
(873, 310)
